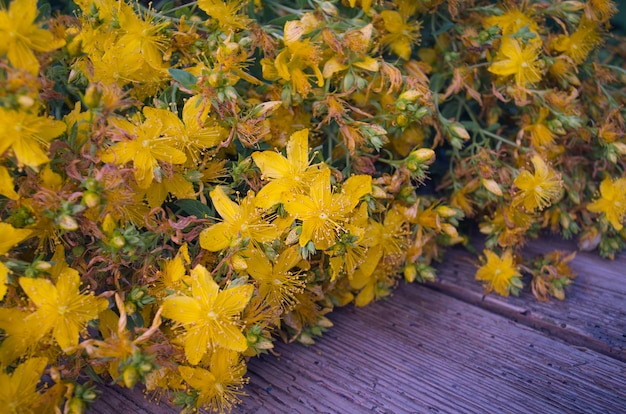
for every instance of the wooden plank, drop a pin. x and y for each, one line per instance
(424, 351)
(593, 314)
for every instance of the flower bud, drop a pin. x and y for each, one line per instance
(492, 186)
(423, 155)
(25, 101)
(68, 223)
(117, 241)
(457, 130)
(91, 199)
(410, 273)
(130, 376)
(238, 262)
(93, 96)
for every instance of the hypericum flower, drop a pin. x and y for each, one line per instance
(7, 188)
(218, 388)
(226, 13)
(512, 21)
(241, 221)
(540, 133)
(61, 308)
(500, 274)
(210, 316)
(514, 60)
(540, 190)
(26, 134)
(11, 236)
(357, 42)
(277, 283)
(290, 174)
(142, 37)
(323, 213)
(402, 34)
(612, 201)
(578, 45)
(18, 391)
(146, 148)
(21, 36)
(291, 63)
(192, 132)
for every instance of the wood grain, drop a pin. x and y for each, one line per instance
(444, 348)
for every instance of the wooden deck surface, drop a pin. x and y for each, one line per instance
(445, 348)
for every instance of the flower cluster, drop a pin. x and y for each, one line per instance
(182, 185)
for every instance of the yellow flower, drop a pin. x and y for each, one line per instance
(290, 174)
(18, 336)
(402, 34)
(499, 274)
(277, 283)
(513, 60)
(7, 188)
(226, 13)
(323, 213)
(220, 386)
(11, 236)
(241, 221)
(26, 134)
(540, 134)
(578, 45)
(298, 55)
(21, 37)
(540, 190)
(358, 43)
(176, 185)
(512, 21)
(146, 148)
(18, 391)
(612, 201)
(61, 308)
(209, 316)
(173, 273)
(191, 133)
(141, 37)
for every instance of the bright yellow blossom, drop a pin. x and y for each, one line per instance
(145, 149)
(26, 134)
(290, 174)
(18, 390)
(612, 201)
(578, 45)
(540, 133)
(21, 36)
(540, 190)
(241, 221)
(219, 387)
(516, 60)
(323, 213)
(512, 21)
(142, 37)
(7, 188)
(499, 274)
(402, 34)
(209, 316)
(277, 283)
(297, 56)
(61, 308)
(226, 13)
(11, 236)
(192, 133)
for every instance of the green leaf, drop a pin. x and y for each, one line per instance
(186, 79)
(195, 208)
